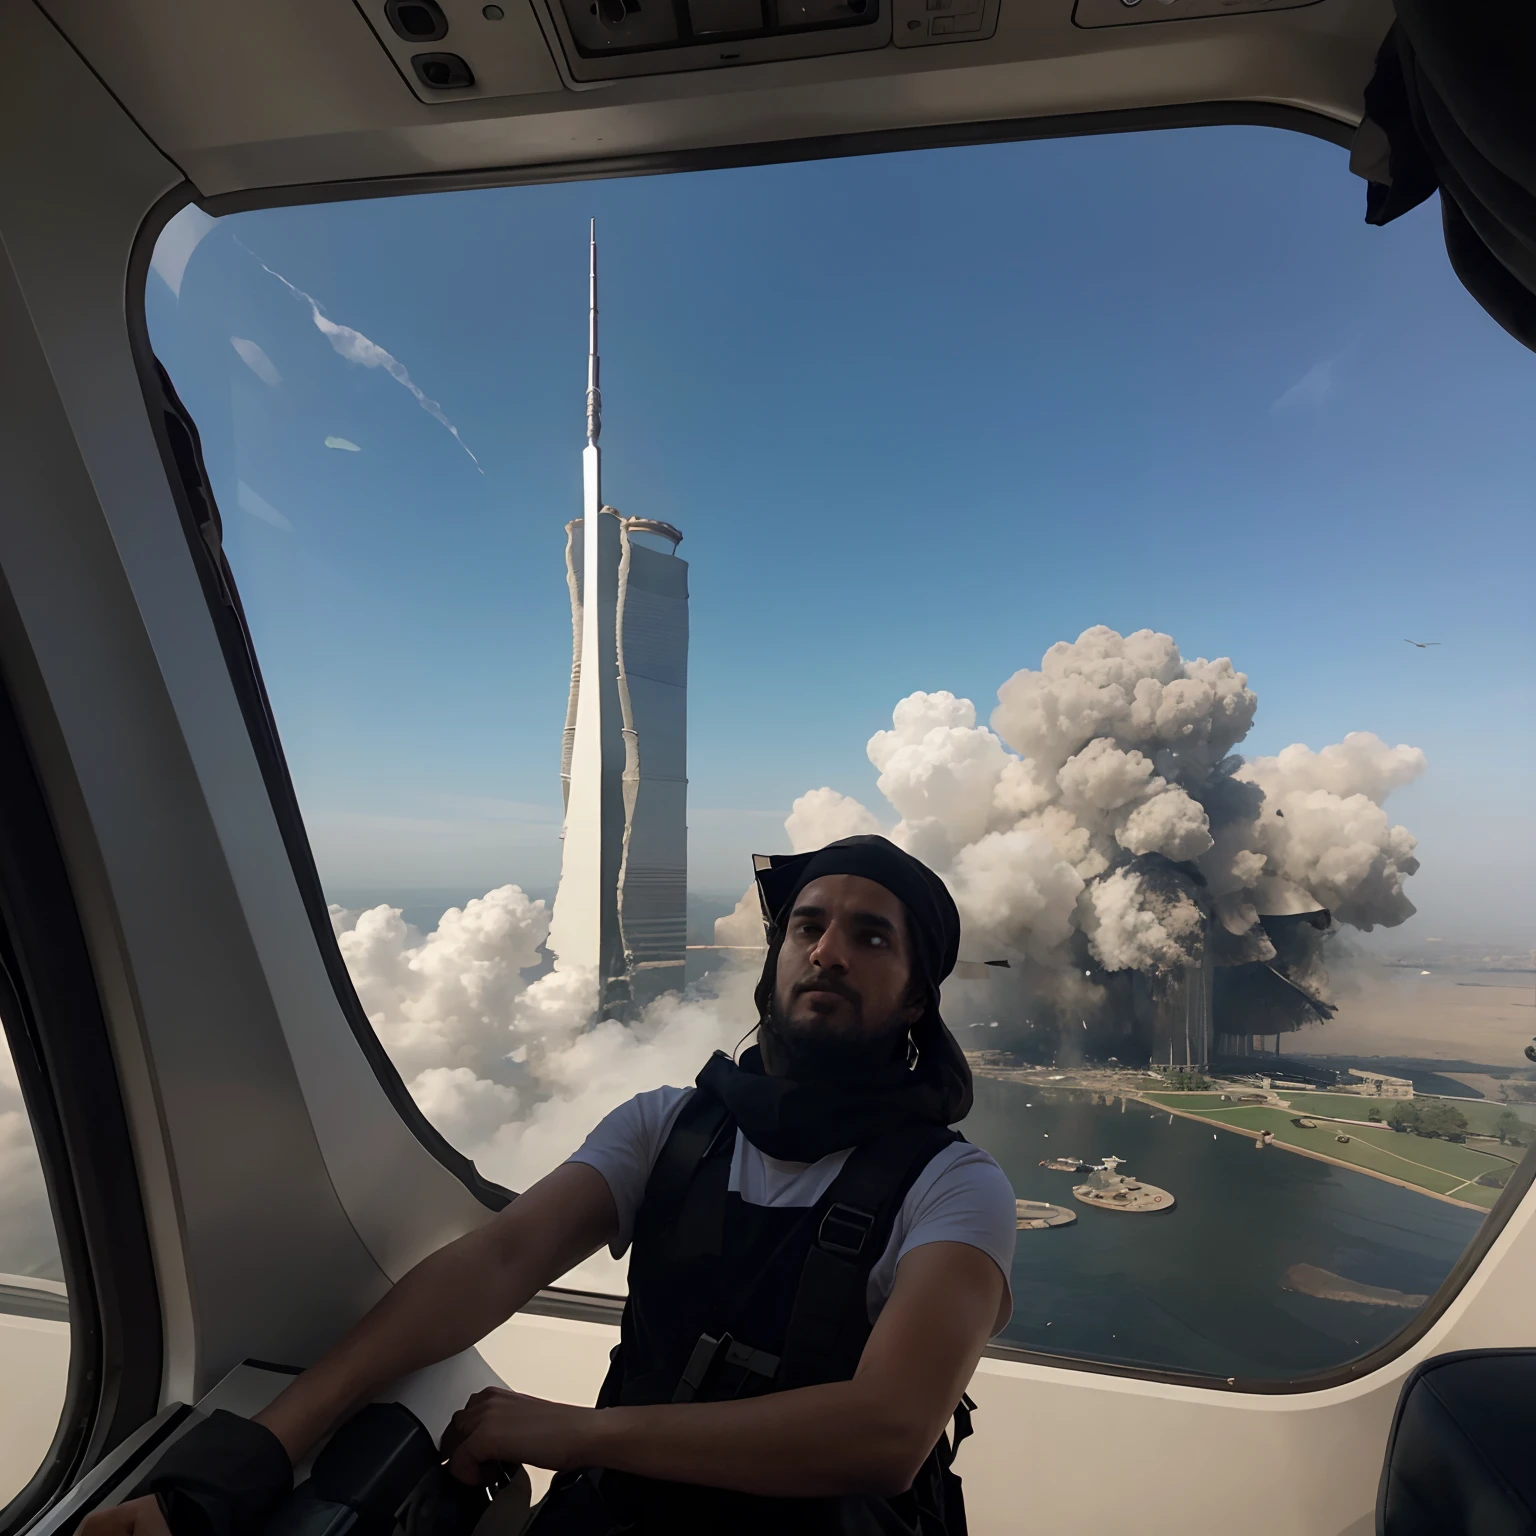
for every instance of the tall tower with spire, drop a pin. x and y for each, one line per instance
(621, 910)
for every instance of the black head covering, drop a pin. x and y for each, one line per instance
(805, 1121)
(935, 922)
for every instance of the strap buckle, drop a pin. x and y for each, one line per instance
(845, 1230)
(701, 1363)
(709, 1353)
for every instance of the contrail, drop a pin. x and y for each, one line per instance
(357, 348)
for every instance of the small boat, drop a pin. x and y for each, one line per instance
(1035, 1215)
(1341, 1138)
(1063, 1164)
(1303, 1122)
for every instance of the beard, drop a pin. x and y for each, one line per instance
(815, 1050)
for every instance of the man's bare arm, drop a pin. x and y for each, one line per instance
(449, 1301)
(868, 1435)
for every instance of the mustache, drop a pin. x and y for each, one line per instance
(819, 983)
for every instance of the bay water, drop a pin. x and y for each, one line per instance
(1203, 1287)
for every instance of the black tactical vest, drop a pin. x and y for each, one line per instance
(731, 1300)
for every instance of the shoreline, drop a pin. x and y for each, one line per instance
(1321, 1157)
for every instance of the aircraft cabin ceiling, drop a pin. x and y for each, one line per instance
(292, 93)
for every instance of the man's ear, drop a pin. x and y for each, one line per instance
(917, 1003)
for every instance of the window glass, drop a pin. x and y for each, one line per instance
(34, 1311)
(1119, 523)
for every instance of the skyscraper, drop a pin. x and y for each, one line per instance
(621, 909)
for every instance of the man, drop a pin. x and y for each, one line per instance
(817, 1259)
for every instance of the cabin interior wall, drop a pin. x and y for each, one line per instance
(281, 1185)
(283, 1189)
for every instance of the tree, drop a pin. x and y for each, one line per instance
(1509, 1127)
(1403, 1115)
(1373, 1113)
(1437, 1119)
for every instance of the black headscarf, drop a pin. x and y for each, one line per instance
(804, 1122)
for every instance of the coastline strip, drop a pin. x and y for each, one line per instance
(1322, 1157)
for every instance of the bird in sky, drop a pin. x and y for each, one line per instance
(1423, 645)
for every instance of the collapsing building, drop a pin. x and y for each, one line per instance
(1261, 1000)
(621, 909)
(1175, 1013)
(1226, 1001)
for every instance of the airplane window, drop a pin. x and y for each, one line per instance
(34, 1311)
(1120, 524)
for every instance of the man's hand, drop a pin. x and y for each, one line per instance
(865, 1436)
(137, 1517)
(451, 1300)
(496, 1425)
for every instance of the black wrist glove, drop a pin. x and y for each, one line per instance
(224, 1477)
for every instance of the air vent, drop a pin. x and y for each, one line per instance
(447, 50)
(417, 21)
(442, 71)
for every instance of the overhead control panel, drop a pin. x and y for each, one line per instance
(456, 49)
(611, 39)
(453, 49)
(1128, 13)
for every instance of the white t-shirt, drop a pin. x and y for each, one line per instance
(962, 1196)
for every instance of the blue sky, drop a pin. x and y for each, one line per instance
(919, 416)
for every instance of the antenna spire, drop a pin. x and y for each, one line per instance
(594, 391)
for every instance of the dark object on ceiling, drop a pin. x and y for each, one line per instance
(1452, 107)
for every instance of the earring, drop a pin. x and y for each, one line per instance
(913, 1053)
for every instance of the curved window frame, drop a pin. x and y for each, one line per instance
(181, 453)
(53, 1021)
(200, 519)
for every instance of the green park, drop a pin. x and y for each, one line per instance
(1462, 1150)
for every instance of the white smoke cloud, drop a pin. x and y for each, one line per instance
(1134, 690)
(822, 816)
(1169, 823)
(1361, 764)
(1015, 889)
(742, 927)
(509, 1064)
(1133, 927)
(938, 769)
(1059, 829)
(1328, 833)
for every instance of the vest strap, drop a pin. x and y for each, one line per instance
(828, 1326)
(700, 1124)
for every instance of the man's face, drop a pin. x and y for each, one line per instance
(845, 967)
